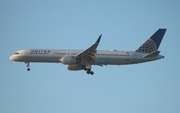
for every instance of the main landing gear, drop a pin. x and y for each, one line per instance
(27, 65)
(88, 70)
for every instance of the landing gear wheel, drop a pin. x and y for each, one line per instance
(92, 73)
(88, 72)
(28, 69)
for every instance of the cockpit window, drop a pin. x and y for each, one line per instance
(16, 53)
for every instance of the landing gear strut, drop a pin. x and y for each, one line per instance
(27, 65)
(88, 70)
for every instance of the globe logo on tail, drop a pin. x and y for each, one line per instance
(148, 47)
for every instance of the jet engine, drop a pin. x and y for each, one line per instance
(70, 60)
(75, 67)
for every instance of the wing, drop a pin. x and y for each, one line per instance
(90, 52)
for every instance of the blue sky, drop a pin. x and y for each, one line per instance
(143, 88)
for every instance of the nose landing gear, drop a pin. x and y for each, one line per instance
(27, 65)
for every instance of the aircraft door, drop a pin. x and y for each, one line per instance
(134, 58)
(24, 53)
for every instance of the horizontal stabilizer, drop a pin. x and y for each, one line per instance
(152, 54)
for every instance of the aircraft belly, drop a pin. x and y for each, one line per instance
(121, 61)
(114, 61)
(38, 59)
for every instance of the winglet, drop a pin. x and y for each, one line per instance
(98, 40)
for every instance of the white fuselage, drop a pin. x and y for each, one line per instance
(84, 59)
(102, 57)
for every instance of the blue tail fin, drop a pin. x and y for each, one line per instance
(153, 43)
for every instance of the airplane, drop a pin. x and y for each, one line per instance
(84, 59)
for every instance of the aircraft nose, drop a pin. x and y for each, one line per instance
(11, 57)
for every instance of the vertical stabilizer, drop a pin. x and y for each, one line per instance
(153, 43)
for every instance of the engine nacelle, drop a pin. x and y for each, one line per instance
(75, 67)
(70, 60)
